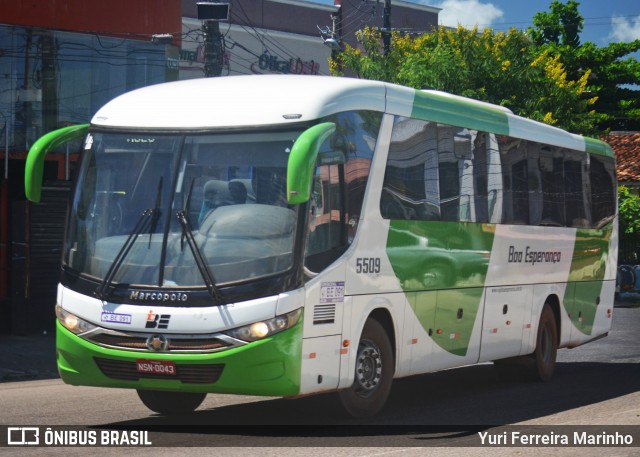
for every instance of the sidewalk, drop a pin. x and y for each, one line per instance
(24, 358)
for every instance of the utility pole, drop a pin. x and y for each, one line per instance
(210, 13)
(213, 50)
(49, 53)
(386, 26)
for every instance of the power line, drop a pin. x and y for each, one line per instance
(598, 21)
(264, 38)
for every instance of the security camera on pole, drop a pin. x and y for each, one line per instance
(211, 13)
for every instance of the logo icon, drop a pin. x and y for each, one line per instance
(157, 320)
(23, 436)
(157, 343)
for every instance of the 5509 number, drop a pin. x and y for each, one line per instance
(368, 265)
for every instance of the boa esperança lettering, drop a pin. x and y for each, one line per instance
(532, 256)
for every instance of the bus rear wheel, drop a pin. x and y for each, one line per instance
(170, 403)
(374, 370)
(541, 363)
(544, 357)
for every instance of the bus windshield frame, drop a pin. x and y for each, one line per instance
(183, 210)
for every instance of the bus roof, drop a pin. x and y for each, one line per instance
(266, 100)
(240, 101)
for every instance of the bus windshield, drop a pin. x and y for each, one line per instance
(148, 205)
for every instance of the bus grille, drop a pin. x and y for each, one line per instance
(138, 342)
(186, 373)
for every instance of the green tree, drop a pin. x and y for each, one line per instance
(628, 219)
(545, 73)
(613, 72)
(628, 212)
(561, 25)
(501, 68)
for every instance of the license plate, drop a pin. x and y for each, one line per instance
(161, 367)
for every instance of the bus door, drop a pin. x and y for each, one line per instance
(325, 289)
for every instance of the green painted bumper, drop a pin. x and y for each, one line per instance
(267, 367)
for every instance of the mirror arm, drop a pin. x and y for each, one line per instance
(34, 167)
(302, 160)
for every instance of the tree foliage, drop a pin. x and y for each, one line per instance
(612, 71)
(628, 214)
(544, 73)
(561, 25)
(500, 68)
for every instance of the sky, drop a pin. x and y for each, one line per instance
(605, 21)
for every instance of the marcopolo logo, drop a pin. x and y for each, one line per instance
(139, 295)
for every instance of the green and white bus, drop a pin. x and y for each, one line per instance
(290, 235)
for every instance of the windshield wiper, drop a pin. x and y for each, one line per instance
(148, 218)
(187, 207)
(209, 280)
(156, 214)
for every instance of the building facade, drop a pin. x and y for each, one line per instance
(291, 36)
(60, 60)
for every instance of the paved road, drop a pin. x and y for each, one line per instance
(595, 384)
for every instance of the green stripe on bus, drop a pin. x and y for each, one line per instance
(586, 276)
(453, 111)
(444, 263)
(598, 147)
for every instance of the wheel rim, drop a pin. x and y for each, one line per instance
(368, 369)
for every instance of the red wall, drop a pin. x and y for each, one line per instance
(132, 18)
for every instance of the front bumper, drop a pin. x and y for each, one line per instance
(267, 367)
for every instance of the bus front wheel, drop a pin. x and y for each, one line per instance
(169, 403)
(374, 370)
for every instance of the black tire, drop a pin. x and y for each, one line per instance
(539, 365)
(170, 403)
(375, 366)
(544, 356)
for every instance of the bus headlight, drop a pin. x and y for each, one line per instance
(72, 322)
(263, 329)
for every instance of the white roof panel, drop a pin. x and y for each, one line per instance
(237, 101)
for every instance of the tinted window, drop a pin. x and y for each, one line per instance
(603, 200)
(447, 173)
(441, 172)
(339, 185)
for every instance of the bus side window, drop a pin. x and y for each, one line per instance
(410, 189)
(341, 177)
(326, 238)
(576, 190)
(439, 172)
(513, 158)
(552, 174)
(603, 200)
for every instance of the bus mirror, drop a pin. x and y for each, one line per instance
(34, 166)
(302, 161)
